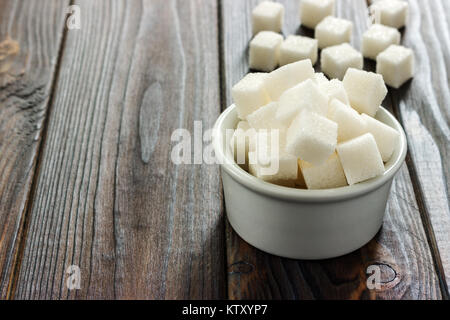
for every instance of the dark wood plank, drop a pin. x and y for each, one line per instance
(30, 39)
(400, 249)
(109, 198)
(422, 105)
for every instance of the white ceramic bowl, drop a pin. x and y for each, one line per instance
(303, 224)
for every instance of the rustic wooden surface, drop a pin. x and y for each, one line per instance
(101, 191)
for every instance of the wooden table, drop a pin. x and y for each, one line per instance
(86, 120)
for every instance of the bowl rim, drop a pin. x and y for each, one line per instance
(303, 195)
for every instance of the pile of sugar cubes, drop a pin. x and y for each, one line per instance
(299, 129)
(332, 35)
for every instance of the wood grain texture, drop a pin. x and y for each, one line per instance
(400, 248)
(109, 199)
(30, 39)
(423, 107)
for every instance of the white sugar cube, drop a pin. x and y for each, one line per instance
(269, 162)
(314, 11)
(365, 90)
(396, 65)
(285, 77)
(393, 13)
(265, 50)
(335, 90)
(327, 175)
(311, 137)
(249, 94)
(264, 117)
(385, 136)
(304, 96)
(296, 48)
(268, 16)
(350, 123)
(377, 39)
(332, 31)
(320, 79)
(336, 60)
(240, 142)
(360, 159)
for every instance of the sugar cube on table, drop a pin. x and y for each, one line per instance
(360, 158)
(268, 16)
(392, 13)
(385, 136)
(320, 79)
(311, 137)
(396, 65)
(296, 48)
(249, 94)
(365, 90)
(378, 38)
(332, 31)
(327, 175)
(314, 11)
(285, 77)
(265, 50)
(350, 123)
(265, 117)
(240, 142)
(335, 90)
(304, 96)
(337, 59)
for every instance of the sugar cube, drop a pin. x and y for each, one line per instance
(268, 16)
(365, 90)
(296, 48)
(240, 142)
(249, 94)
(396, 65)
(327, 175)
(264, 117)
(335, 90)
(265, 50)
(350, 123)
(288, 76)
(332, 31)
(314, 11)
(311, 137)
(337, 59)
(377, 38)
(360, 158)
(304, 96)
(385, 136)
(393, 13)
(320, 78)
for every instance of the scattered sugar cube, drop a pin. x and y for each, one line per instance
(264, 117)
(336, 60)
(304, 96)
(377, 39)
(314, 11)
(327, 175)
(320, 78)
(285, 77)
(249, 94)
(335, 90)
(396, 65)
(311, 137)
(268, 16)
(360, 158)
(332, 31)
(270, 162)
(350, 123)
(365, 90)
(296, 48)
(385, 136)
(265, 50)
(392, 13)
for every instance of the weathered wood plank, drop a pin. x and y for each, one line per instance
(109, 198)
(30, 39)
(422, 105)
(400, 248)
